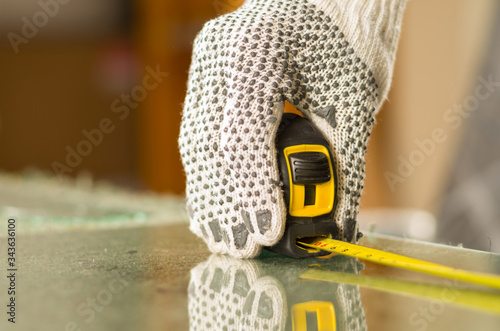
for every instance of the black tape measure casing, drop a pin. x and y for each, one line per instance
(309, 185)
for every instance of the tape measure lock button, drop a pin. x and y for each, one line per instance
(310, 167)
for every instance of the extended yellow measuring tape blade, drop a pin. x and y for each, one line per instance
(400, 261)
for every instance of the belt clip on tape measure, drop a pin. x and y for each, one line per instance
(309, 185)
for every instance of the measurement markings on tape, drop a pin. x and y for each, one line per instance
(399, 261)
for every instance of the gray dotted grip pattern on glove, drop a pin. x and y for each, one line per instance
(229, 294)
(245, 65)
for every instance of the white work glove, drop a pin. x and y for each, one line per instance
(332, 59)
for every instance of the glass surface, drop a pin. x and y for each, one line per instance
(164, 278)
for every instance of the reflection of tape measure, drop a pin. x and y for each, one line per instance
(322, 311)
(398, 261)
(473, 299)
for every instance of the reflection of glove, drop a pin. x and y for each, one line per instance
(332, 59)
(233, 294)
(351, 314)
(230, 293)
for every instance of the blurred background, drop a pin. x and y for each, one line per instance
(96, 87)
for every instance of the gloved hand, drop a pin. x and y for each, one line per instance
(332, 59)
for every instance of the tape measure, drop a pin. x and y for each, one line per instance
(398, 261)
(308, 175)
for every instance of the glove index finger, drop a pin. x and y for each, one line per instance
(251, 121)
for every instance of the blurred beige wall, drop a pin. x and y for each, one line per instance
(51, 87)
(441, 49)
(66, 17)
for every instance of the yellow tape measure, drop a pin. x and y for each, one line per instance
(399, 261)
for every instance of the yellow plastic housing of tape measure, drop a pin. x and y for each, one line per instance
(325, 192)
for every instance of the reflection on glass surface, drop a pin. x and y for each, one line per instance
(267, 294)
